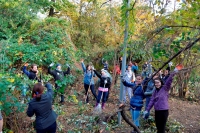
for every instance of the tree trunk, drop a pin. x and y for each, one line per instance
(51, 11)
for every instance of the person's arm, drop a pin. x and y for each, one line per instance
(50, 71)
(83, 67)
(128, 84)
(49, 89)
(67, 72)
(134, 67)
(25, 71)
(168, 82)
(30, 111)
(98, 75)
(150, 92)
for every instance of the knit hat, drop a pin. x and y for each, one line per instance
(58, 65)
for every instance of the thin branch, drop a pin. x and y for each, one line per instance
(179, 52)
(169, 26)
(105, 3)
(123, 114)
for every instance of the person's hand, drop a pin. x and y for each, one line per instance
(67, 65)
(145, 114)
(92, 67)
(51, 64)
(82, 60)
(170, 64)
(178, 68)
(26, 64)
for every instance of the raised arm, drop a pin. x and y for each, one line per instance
(30, 111)
(25, 71)
(168, 82)
(67, 72)
(128, 84)
(98, 75)
(50, 71)
(83, 67)
(49, 89)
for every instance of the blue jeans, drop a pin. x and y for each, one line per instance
(50, 129)
(92, 90)
(135, 116)
(148, 98)
(104, 97)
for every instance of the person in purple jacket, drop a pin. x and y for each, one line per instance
(159, 100)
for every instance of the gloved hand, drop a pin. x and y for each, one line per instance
(51, 64)
(92, 67)
(105, 81)
(67, 65)
(145, 114)
(170, 64)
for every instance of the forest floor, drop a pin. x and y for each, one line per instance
(79, 118)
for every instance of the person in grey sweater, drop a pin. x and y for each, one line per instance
(41, 106)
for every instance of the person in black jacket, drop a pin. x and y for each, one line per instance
(41, 106)
(105, 83)
(58, 74)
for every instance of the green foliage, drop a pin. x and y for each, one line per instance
(10, 88)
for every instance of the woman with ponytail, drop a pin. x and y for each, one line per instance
(41, 106)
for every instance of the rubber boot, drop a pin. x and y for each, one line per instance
(96, 104)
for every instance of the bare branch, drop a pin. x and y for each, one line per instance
(105, 3)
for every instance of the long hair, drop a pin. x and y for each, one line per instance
(37, 91)
(158, 78)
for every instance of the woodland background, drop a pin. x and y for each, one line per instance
(64, 31)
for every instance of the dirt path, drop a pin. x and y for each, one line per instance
(187, 113)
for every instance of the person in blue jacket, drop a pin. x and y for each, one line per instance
(33, 73)
(88, 80)
(134, 67)
(149, 88)
(137, 98)
(41, 106)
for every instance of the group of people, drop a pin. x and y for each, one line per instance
(154, 89)
(41, 104)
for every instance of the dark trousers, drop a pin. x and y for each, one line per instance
(92, 90)
(108, 94)
(61, 94)
(50, 129)
(104, 97)
(161, 120)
